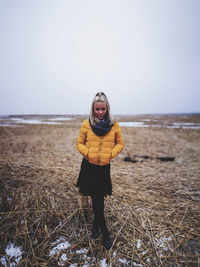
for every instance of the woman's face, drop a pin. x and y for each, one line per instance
(100, 110)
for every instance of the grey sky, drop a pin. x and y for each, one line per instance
(55, 55)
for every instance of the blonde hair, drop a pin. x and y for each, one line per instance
(101, 97)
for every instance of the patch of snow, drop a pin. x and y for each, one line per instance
(58, 241)
(139, 244)
(162, 243)
(144, 252)
(124, 261)
(61, 245)
(62, 260)
(114, 253)
(82, 251)
(3, 261)
(13, 256)
(88, 260)
(103, 263)
(79, 233)
(73, 265)
(137, 264)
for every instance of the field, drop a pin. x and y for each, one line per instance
(153, 215)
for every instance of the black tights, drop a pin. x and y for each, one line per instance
(98, 208)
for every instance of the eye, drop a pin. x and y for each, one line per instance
(97, 109)
(103, 109)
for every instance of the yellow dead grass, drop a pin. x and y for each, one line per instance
(153, 214)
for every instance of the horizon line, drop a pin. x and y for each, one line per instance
(115, 114)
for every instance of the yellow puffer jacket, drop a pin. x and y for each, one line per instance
(99, 150)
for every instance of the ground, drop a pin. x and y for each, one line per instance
(153, 215)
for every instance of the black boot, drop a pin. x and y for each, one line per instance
(95, 232)
(107, 241)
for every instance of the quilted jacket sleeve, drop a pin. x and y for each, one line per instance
(80, 143)
(119, 142)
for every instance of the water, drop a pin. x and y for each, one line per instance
(14, 121)
(165, 125)
(58, 120)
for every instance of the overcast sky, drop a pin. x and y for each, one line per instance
(55, 55)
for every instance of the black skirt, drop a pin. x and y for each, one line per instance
(94, 179)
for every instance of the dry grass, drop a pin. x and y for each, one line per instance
(153, 214)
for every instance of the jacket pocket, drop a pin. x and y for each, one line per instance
(87, 156)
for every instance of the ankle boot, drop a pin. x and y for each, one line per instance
(107, 241)
(95, 232)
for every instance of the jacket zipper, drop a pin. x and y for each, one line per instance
(100, 144)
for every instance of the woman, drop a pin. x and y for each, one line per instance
(99, 141)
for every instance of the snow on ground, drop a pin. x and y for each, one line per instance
(139, 244)
(82, 251)
(62, 259)
(137, 264)
(103, 263)
(61, 244)
(12, 257)
(162, 244)
(59, 247)
(124, 261)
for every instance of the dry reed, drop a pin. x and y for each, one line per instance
(153, 214)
